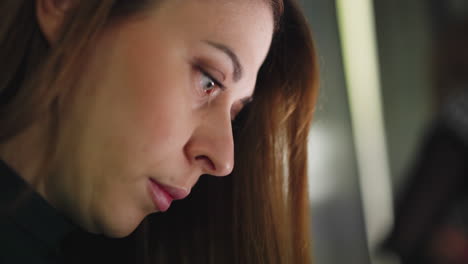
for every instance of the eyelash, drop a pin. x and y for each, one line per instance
(217, 84)
(205, 73)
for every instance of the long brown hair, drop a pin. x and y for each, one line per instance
(258, 214)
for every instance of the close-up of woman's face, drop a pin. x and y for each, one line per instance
(154, 107)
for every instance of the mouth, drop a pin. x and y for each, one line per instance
(163, 195)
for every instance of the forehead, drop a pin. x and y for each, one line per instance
(244, 25)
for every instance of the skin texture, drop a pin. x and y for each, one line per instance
(144, 108)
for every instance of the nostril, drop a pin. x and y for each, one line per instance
(207, 163)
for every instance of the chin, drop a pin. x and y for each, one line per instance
(121, 228)
(119, 232)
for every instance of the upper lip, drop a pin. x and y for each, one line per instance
(175, 192)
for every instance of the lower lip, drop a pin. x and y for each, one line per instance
(162, 200)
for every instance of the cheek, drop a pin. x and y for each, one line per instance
(156, 99)
(143, 107)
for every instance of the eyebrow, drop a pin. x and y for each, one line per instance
(237, 66)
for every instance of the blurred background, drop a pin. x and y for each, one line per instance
(388, 147)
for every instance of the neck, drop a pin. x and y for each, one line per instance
(27, 152)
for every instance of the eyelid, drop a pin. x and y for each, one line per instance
(209, 75)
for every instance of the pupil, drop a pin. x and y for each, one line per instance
(209, 85)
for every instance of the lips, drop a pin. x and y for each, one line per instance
(163, 195)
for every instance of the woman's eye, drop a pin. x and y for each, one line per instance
(207, 84)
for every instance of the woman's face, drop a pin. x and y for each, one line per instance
(154, 108)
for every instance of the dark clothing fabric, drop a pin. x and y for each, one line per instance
(31, 230)
(34, 232)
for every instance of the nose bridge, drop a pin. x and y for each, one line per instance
(215, 142)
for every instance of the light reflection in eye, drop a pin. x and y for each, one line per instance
(208, 84)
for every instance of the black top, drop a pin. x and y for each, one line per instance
(31, 230)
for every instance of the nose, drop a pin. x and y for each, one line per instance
(211, 146)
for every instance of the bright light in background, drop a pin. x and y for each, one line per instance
(356, 25)
(320, 153)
